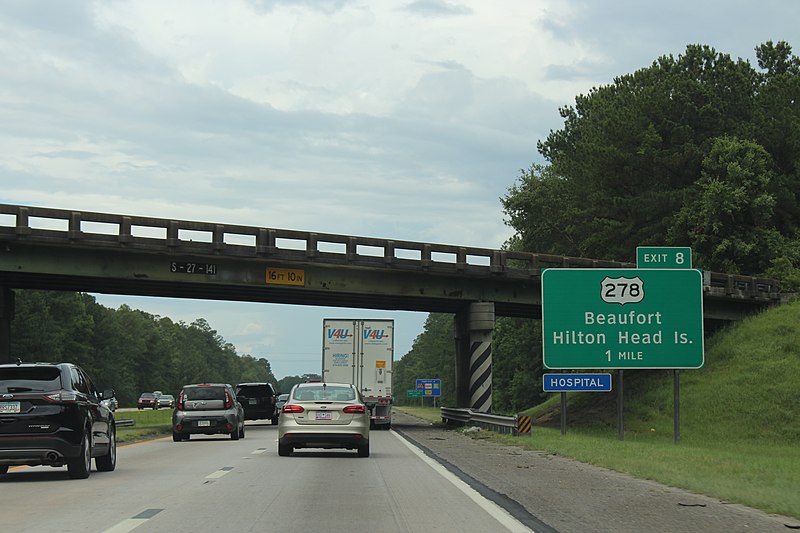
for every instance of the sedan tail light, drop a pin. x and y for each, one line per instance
(290, 408)
(354, 409)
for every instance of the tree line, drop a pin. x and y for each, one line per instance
(698, 150)
(126, 349)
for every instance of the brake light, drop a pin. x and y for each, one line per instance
(181, 400)
(289, 408)
(228, 400)
(354, 409)
(63, 396)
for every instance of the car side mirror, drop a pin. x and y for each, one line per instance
(107, 394)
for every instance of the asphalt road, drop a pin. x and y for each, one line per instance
(216, 484)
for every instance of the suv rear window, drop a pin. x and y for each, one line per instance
(253, 391)
(205, 393)
(27, 379)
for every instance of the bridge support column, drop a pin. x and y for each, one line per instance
(473, 335)
(6, 315)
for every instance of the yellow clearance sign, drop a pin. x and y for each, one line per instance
(286, 276)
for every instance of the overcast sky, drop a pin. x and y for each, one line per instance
(398, 119)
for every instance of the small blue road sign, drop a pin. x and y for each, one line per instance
(576, 382)
(430, 387)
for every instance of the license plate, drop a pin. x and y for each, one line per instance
(324, 415)
(9, 407)
(203, 423)
(253, 401)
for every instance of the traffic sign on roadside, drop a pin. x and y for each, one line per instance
(576, 382)
(663, 257)
(430, 387)
(622, 318)
(413, 393)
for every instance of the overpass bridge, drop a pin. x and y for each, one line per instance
(64, 250)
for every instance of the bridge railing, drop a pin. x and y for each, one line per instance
(91, 229)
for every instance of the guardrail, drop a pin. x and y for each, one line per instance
(121, 422)
(90, 229)
(499, 423)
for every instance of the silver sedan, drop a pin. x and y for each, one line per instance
(324, 415)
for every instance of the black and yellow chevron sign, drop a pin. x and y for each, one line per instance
(523, 424)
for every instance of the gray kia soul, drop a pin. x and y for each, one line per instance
(208, 409)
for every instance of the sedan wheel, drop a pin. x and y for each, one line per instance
(80, 467)
(3, 469)
(284, 450)
(363, 450)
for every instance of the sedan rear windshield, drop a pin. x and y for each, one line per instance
(205, 393)
(30, 379)
(337, 394)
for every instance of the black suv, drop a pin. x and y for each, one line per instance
(258, 401)
(51, 414)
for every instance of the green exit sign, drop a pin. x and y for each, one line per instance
(622, 318)
(663, 257)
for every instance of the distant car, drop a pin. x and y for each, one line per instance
(51, 414)
(258, 401)
(166, 400)
(280, 402)
(207, 408)
(147, 400)
(324, 415)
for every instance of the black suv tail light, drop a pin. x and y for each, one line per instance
(63, 396)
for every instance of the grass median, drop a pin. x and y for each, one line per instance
(149, 423)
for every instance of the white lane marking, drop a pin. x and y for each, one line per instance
(219, 473)
(494, 510)
(127, 525)
(260, 450)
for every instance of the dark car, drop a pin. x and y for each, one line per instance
(51, 414)
(207, 408)
(258, 401)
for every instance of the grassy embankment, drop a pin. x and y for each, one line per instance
(740, 419)
(149, 423)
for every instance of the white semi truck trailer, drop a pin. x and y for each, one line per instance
(360, 352)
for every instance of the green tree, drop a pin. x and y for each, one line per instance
(731, 220)
(432, 356)
(654, 159)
